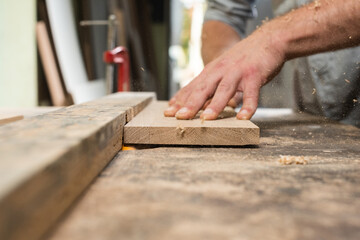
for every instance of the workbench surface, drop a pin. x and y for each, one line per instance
(229, 193)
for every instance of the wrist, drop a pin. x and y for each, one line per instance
(282, 40)
(275, 40)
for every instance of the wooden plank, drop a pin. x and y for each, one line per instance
(53, 79)
(9, 117)
(48, 160)
(229, 193)
(27, 112)
(151, 127)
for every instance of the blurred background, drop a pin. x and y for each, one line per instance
(52, 51)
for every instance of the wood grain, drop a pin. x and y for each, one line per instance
(27, 112)
(48, 160)
(229, 193)
(151, 127)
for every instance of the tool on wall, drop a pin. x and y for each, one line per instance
(120, 56)
(114, 56)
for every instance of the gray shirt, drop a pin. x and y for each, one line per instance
(232, 12)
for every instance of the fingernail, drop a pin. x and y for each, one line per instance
(244, 114)
(244, 111)
(170, 109)
(182, 111)
(208, 111)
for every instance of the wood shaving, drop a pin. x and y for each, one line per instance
(316, 5)
(180, 130)
(265, 20)
(287, 18)
(289, 160)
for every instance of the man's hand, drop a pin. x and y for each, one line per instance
(317, 27)
(242, 69)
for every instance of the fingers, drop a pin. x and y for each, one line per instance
(172, 101)
(171, 110)
(235, 100)
(189, 100)
(177, 101)
(250, 100)
(195, 101)
(206, 104)
(224, 92)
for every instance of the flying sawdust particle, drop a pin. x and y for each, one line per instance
(317, 5)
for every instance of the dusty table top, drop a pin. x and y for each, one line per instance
(229, 193)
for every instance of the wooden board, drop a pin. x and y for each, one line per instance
(9, 117)
(27, 112)
(151, 127)
(53, 79)
(229, 193)
(48, 160)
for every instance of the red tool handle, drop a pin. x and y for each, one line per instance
(120, 56)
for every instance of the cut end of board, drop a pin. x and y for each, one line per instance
(150, 127)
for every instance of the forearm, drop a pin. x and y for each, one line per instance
(321, 26)
(217, 37)
(312, 28)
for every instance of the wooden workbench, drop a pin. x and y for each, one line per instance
(229, 193)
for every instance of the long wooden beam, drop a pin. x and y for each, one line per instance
(47, 161)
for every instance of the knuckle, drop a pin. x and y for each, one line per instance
(204, 90)
(220, 64)
(201, 87)
(225, 86)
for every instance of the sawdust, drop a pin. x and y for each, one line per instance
(265, 20)
(287, 18)
(289, 160)
(316, 5)
(180, 130)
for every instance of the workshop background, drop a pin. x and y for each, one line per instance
(116, 168)
(162, 37)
